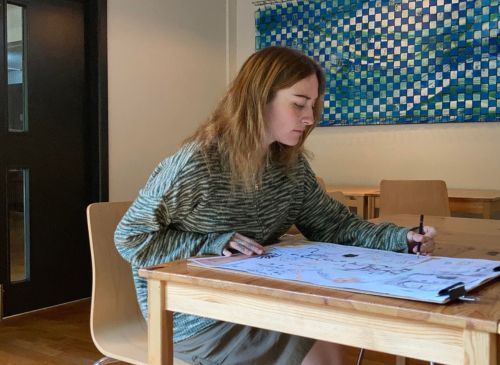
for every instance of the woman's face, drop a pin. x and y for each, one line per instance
(290, 111)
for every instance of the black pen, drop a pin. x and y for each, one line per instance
(420, 231)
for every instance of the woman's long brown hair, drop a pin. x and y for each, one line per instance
(237, 127)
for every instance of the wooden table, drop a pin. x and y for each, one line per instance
(366, 199)
(484, 202)
(456, 333)
(479, 238)
(359, 197)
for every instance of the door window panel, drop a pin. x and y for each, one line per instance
(17, 208)
(16, 60)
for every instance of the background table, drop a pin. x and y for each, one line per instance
(366, 200)
(457, 333)
(358, 197)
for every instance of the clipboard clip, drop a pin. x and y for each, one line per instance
(457, 292)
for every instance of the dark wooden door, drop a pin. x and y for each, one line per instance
(46, 158)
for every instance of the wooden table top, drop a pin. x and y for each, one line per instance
(457, 237)
(462, 240)
(475, 194)
(354, 190)
(462, 237)
(367, 190)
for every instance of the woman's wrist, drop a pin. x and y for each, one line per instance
(409, 239)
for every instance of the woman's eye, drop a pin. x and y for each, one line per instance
(299, 106)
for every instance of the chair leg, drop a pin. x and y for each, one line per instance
(360, 356)
(105, 360)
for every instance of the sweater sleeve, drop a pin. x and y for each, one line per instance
(324, 219)
(147, 234)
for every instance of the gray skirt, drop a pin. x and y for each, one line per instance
(234, 344)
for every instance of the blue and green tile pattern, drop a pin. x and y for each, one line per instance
(395, 61)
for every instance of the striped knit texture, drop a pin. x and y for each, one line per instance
(187, 208)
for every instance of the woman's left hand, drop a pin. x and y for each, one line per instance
(427, 240)
(242, 244)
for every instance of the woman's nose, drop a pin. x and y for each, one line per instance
(308, 117)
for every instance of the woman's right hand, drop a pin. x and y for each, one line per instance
(243, 244)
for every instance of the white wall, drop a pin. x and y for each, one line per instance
(166, 70)
(464, 155)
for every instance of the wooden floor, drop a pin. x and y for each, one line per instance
(61, 336)
(54, 336)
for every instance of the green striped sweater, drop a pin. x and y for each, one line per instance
(187, 208)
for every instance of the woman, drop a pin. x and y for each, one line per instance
(237, 185)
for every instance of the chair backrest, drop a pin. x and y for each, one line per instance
(118, 328)
(414, 197)
(321, 182)
(339, 196)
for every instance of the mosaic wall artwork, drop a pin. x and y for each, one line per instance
(395, 61)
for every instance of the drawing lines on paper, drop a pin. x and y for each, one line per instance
(366, 270)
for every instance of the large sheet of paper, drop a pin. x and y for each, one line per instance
(364, 270)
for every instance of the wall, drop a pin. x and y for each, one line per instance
(166, 70)
(464, 155)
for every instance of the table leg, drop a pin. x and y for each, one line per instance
(160, 339)
(494, 209)
(480, 348)
(370, 208)
(400, 360)
(359, 203)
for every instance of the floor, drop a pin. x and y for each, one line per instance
(61, 336)
(55, 336)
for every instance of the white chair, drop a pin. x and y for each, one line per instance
(118, 328)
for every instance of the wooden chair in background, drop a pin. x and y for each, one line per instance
(118, 328)
(414, 197)
(321, 182)
(339, 196)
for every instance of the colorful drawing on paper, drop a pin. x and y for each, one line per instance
(361, 269)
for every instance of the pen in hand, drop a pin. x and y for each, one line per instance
(420, 231)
